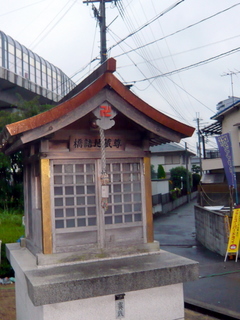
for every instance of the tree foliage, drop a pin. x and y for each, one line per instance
(11, 167)
(161, 172)
(179, 178)
(153, 172)
(195, 180)
(25, 109)
(195, 168)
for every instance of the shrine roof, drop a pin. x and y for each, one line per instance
(101, 78)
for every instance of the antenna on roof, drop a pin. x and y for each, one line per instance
(230, 73)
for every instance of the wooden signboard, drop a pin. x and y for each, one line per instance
(93, 143)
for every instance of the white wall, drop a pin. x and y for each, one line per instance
(160, 186)
(156, 303)
(156, 160)
(164, 302)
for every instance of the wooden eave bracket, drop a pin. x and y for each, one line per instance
(4, 138)
(13, 147)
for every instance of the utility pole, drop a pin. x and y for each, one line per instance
(187, 174)
(199, 143)
(102, 23)
(100, 15)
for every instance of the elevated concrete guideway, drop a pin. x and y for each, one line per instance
(12, 86)
(24, 73)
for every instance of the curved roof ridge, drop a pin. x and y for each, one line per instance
(106, 79)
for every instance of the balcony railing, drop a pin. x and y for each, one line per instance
(212, 155)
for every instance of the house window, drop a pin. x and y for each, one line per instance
(173, 159)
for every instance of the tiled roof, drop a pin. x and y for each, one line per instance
(168, 147)
(106, 79)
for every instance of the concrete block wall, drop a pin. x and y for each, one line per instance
(211, 229)
(167, 207)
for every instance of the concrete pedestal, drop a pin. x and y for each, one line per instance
(147, 286)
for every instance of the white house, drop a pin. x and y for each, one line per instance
(227, 121)
(170, 155)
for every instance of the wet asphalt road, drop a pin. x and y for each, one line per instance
(218, 287)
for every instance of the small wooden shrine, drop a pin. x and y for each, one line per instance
(87, 183)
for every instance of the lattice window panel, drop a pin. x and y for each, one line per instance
(125, 195)
(74, 192)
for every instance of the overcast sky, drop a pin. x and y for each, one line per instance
(185, 71)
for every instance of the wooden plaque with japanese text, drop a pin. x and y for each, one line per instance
(93, 143)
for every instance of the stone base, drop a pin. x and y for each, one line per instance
(149, 286)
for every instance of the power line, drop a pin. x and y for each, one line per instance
(161, 88)
(44, 36)
(169, 103)
(164, 38)
(177, 53)
(21, 8)
(36, 17)
(201, 47)
(174, 54)
(190, 66)
(147, 24)
(179, 77)
(171, 34)
(153, 78)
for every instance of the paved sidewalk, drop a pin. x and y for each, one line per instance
(218, 287)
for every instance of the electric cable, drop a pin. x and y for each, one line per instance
(21, 8)
(148, 23)
(174, 33)
(152, 69)
(197, 48)
(151, 83)
(218, 13)
(176, 87)
(93, 46)
(164, 98)
(32, 45)
(194, 65)
(36, 17)
(148, 60)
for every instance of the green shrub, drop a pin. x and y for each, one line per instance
(11, 229)
(175, 193)
(179, 176)
(153, 172)
(11, 166)
(161, 172)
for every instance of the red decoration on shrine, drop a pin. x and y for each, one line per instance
(105, 111)
(105, 114)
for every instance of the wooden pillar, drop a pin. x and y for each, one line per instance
(46, 206)
(148, 190)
